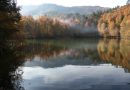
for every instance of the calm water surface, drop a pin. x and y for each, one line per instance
(79, 64)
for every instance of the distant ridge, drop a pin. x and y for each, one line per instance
(53, 9)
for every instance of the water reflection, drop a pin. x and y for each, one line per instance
(115, 52)
(67, 65)
(59, 53)
(78, 64)
(75, 77)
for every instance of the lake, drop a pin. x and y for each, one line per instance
(67, 64)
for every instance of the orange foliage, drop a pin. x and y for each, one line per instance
(116, 22)
(115, 52)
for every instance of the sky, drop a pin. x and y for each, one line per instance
(103, 3)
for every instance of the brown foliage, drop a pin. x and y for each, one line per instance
(43, 27)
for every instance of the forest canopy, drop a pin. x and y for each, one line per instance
(115, 23)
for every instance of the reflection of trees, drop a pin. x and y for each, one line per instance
(57, 53)
(10, 59)
(86, 54)
(43, 50)
(115, 52)
(53, 50)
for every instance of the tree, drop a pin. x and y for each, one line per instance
(9, 18)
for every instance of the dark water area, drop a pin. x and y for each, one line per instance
(67, 64)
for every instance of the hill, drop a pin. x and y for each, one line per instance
(115, 23)
(53, 9)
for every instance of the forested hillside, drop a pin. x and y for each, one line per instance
(57, 10)
(115, 23)
(71, 25)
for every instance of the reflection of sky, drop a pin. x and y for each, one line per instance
(70, 76)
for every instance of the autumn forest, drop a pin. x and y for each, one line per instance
(109, 23)
(61, 46)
